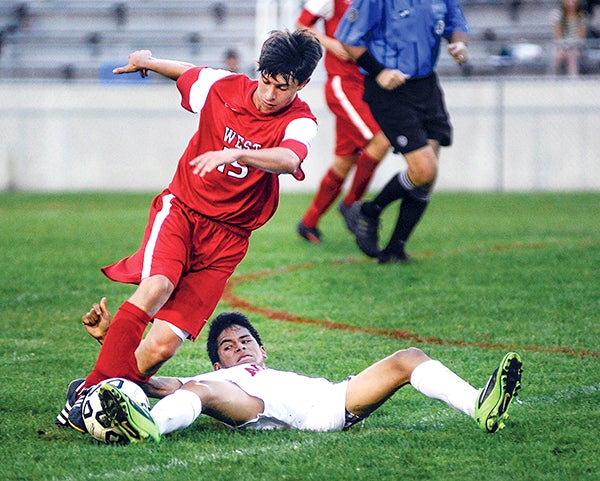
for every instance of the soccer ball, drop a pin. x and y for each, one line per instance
(94, 417)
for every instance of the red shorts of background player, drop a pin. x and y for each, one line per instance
(354, 123)
(195, 253)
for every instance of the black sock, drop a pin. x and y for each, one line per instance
(392, 191)
(411, 212)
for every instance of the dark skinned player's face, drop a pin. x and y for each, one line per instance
(235, 345)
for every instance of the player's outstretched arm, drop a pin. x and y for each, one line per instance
(143, 61)
(275, 159)
(97, 320)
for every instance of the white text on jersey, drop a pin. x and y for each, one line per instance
(237, 141)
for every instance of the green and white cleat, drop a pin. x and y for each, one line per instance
(495, 397)
(134, 420)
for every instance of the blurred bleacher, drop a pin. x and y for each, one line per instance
(81, 39)
(85, 39)
(512, 37)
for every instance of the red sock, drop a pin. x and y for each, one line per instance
(117, 354)
(365, 167)
(330, 188)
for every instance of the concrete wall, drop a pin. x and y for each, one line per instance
(509, 135)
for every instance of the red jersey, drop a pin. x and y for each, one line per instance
(235, 194)
(331, 11)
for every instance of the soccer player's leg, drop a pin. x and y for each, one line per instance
(370, 388)
(226, 401)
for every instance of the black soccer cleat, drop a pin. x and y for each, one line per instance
(349, 215)
(393, 257)
(75, 418)
(311, 234)
(367, 230)
(72, 393)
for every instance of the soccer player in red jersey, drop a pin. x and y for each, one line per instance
(226, 185)
(358, 139)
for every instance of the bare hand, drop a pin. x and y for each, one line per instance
(137, 62)
(459, 51)
(97, 320)
(208, 161)
(389, 79)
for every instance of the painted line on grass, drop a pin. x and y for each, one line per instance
(238, 302)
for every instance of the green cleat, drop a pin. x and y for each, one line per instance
(133, 420)
(495, 397)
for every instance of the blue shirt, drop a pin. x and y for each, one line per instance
(402, 34)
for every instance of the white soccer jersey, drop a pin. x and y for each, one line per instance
(291, 400)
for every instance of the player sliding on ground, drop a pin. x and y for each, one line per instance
(243, 393)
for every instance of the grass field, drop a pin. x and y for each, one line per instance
(491, 272)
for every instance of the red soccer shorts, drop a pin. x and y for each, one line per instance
(354, 123)
(196, 254)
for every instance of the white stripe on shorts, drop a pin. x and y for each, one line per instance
(151, 244)
(355, 118)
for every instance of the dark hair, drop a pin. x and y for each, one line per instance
(224, 321)
(231, 53)
(293, 55)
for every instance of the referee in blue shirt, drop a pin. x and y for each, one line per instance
(397, 44)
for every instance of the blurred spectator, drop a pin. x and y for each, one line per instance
(232, 60)
(514, 8)
(68, 72)
(121, 14)
(569, 32)
(490, 42)
(94, 39)
(195, 41)
(21, 16)
(593, 12)
(219, 12)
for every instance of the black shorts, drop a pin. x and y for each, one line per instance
(410, 114)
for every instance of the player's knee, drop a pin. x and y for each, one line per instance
(156, 351)
(157, 289)
(198, 387)
(408, 359)
(424, 174)
(379, 145)
(164, 352)
(422, 167)
(205, 390)
(342, 165)
(429, 174)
